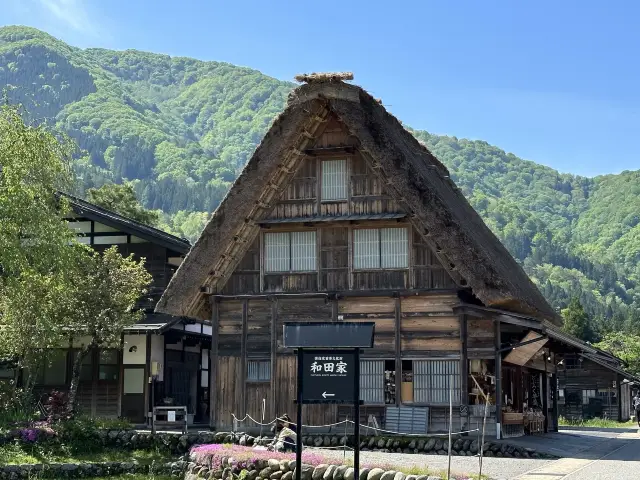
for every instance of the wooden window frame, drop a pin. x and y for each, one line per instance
(347, 179)
(380, 268)
(259, 361)
(290, 246)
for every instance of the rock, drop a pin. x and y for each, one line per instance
(306, 471)
(344, 441)
(441, 452)
(372, 442)
(381, 443)
(457, 445)
(412, 444)
(338, 473)
(433, 477)
(334, 441)
(388, 475)
(318, 472)
(438, 445)
(375, 474)
(276, 475)
(423, 477)
(326, 442)
(430, 445)
(348, 473)
(274, 465)
(252, 475)
(328, 474)
(284, 465)
(363, 474)
(396, 444)
(421, 444)
(243, 440)
(318, 442)
(287, 476)
(399, 476)
(389, 443)
(265, 473)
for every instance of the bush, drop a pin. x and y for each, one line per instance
(79, 435)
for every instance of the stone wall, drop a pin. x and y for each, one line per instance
(87, 470)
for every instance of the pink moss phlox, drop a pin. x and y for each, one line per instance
(214, 454)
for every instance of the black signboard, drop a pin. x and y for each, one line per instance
(323, 335)
(328, 376)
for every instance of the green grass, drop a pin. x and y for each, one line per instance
(136, 477)
(596, 423)
(15, 454)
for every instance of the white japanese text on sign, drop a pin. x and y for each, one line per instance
(328, 365)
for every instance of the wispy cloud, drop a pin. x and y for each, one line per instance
(73, 13)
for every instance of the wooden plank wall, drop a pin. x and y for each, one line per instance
(480, 338)
(427, 327)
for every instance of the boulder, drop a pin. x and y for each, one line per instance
(388, 475)
(375, 474)
(334, 441)
(328, 474)
(264, 473)
(348, 473)
(274, 465)
(306, 472)
(438, 445)
(318, 441)
(318, 472)
(326, 442)
(338, 473)
(399, 476)
(276, 475)
(363, 474)
(429, 445)
(287, 476)
(381, 443)
(284, 465)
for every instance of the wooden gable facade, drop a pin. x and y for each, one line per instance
(341, 215)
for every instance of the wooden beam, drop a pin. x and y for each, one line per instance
(398, 349)
(273, 397)
(464, 364)
(121, 376)
(243, 355)
(148, 384)
(213, 370)
(498, 373)
(322, 151)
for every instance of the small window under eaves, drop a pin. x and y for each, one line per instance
(334, 180)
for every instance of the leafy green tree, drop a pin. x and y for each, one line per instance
(576, 321)
(624, 346)
(121, 198)
(34, 239)
(102, 301)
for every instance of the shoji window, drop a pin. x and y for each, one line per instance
(258, 370)
(334, 180)
(290, 252)
(586, 395)
(432, 380)
(372, 381)
(380, 248)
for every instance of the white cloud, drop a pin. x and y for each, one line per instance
(73, 13)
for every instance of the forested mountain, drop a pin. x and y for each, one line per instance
(181, 129)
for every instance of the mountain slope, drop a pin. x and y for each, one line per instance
(181, 129)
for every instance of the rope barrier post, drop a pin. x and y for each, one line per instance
(299, 419)
(450, 424)
(344, 447)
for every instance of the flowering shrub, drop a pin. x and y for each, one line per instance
(243, 457)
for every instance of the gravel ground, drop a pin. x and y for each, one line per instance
(493, 467)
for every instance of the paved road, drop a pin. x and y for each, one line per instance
(616, 458)
(597, 455)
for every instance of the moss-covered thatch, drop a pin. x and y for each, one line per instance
(417, 180)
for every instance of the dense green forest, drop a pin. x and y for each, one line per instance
(179, 130)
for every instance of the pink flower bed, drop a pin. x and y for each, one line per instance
(243, 457)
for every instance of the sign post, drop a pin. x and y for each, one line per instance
(328, 370)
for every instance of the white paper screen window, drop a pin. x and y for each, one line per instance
(276, 252)
(366, 249)
(394, 248)
(290, 252)
(303, 251)
(334, 180)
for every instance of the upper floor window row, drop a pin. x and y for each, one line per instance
(334, 180)
(373, 248)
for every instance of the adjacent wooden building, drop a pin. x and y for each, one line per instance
(342, 215)
(115, 382)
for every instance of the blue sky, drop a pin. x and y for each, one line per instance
(556, 82)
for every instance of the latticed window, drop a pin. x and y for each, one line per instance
(432, 380)
(258, 371)
(334, 180)
(372, 381)
(586, 395)
(290, 251)
(380, 248)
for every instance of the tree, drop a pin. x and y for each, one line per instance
(103, 298)
(34, 239)
(121, 198)
(576, 321)
(624, 346)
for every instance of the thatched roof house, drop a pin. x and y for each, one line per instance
(414, 177)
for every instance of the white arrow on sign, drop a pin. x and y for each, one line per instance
(325, 394)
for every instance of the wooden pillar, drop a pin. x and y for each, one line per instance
(619, 396)
(398, 349)
(213, 370)
(121, 374)
(464, 371)
(273, 396)
(148, 384)
(243, 358)
(498, 361)
(545, 395)
(554, 387)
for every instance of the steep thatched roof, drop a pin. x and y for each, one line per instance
(415, 178)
